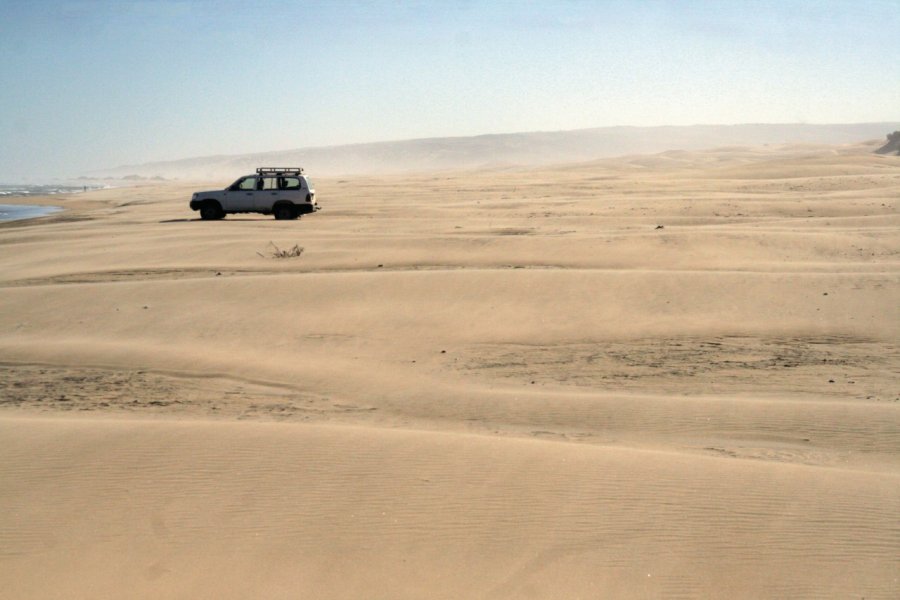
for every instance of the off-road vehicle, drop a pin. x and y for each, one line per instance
(285, 193)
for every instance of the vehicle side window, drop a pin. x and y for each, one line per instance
(290, 183)
(247, 183)
(268, 183)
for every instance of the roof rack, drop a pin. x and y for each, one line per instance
(279, 171)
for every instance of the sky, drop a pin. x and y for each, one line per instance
(96, 84)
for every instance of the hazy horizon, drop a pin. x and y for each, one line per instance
(102, 84)
(524, 149)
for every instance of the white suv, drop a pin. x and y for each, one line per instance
(284, 192)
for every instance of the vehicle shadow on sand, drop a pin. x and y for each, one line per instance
(228, 220)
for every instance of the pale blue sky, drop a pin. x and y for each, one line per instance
(93, 84)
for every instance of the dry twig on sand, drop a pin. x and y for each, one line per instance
(294, 252)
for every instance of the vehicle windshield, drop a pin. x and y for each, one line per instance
(244, 183)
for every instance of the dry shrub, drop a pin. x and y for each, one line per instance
(276, 252)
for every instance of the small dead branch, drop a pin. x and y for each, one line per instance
(277, 252)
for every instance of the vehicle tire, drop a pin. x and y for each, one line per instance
(211, 211)
(285, 212)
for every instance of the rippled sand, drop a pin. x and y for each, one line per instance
(668, 376)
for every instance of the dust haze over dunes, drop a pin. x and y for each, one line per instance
(499, 150)
(665, 375)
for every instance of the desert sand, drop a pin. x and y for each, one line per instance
(663, 376)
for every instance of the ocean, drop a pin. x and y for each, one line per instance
(15, 212)
(26, 190)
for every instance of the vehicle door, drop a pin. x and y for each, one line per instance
(268, 193)
(241, 195)
(291, 188)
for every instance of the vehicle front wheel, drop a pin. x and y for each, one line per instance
(285, 212)
(211, 212)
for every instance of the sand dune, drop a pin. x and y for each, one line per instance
(236, 510)
(672, 375)
(505, 150)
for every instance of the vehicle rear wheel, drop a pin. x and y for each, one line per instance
(284, 212)
(211, 211)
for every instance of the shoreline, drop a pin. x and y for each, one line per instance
(23, 212)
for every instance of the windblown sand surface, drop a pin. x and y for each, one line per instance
(669, 376)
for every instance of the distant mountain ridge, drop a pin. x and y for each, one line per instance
(498, 150)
